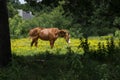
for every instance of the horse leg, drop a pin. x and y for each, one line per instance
(34, 40)
(52, 43)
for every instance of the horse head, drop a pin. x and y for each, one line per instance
(64, 33)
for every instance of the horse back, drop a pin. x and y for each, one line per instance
(48, 33)
(34, 31)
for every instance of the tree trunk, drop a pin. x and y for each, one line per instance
(5, 46)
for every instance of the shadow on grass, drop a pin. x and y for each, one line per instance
(49, 66)
(44, 66)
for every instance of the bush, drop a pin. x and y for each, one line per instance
(76, 31)
(117, 33)
(14, 23)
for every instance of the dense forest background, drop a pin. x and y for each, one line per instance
(81, 17)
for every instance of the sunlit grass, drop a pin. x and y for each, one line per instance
(22, 46)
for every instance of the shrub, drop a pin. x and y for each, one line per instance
(74, 64)
(76, 31)
(14, 23)
(117, 33)
(84, 44)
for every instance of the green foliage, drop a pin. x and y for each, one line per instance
(103, 52)
(105, 31)
(117, 33)
(116, 21)
(74, 64)
(16, 26)
(11, 10)
(110, 46)
(84, 44)
(55, 18)
(70, 66)
(76, 31)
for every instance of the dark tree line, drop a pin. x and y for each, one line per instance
(85, 10)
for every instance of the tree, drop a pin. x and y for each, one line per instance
(5, 47)
(11, 10)
(51, 3)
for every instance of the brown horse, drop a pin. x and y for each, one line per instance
(48, 34)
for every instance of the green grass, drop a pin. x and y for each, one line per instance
(22, 46)
(40, 67)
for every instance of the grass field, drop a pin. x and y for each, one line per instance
(22, 46)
